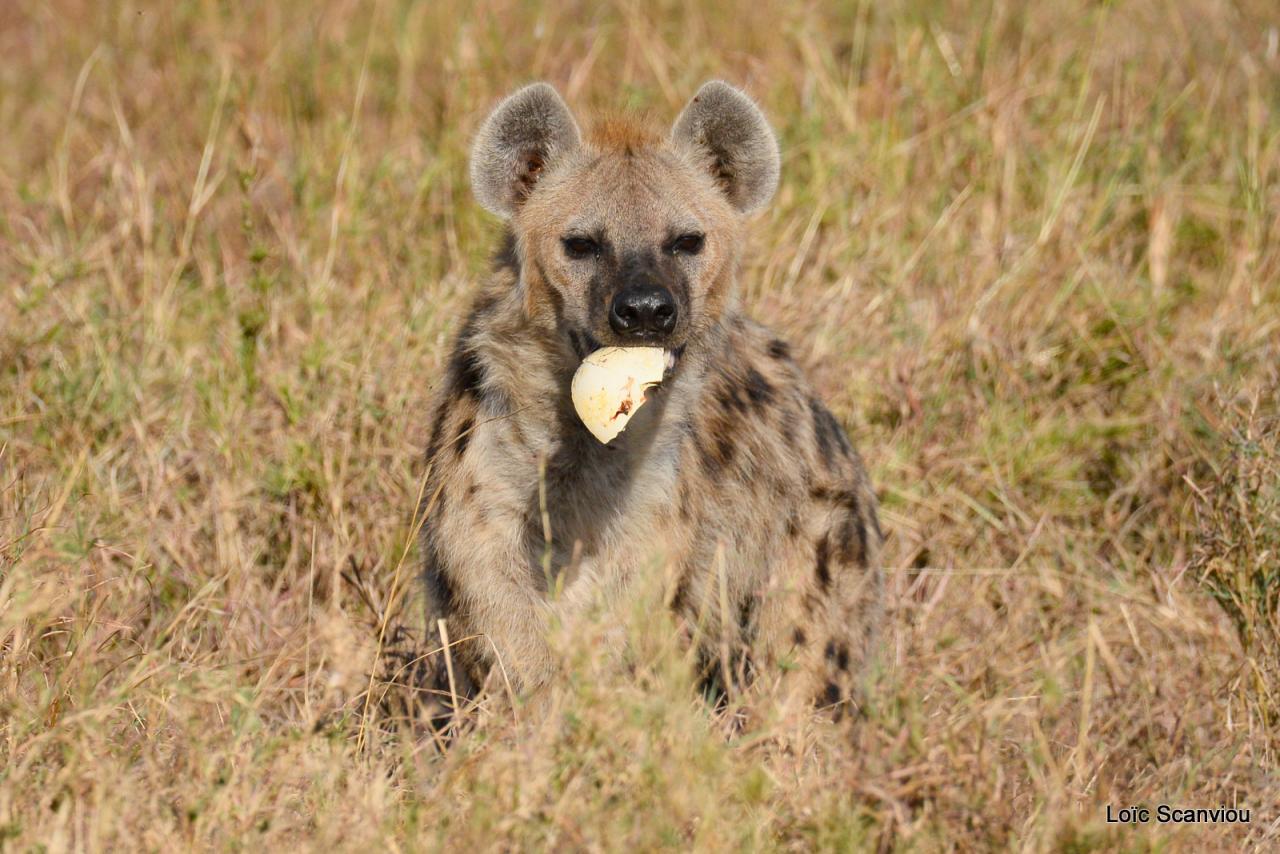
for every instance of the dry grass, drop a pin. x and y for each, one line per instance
(1031, 256)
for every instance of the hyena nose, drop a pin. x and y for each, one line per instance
(643, 311)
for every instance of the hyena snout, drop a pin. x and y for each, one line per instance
(643, 312)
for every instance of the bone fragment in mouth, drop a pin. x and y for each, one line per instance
(610, 384)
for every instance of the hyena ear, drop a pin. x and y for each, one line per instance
(522, 136)
(725, 129)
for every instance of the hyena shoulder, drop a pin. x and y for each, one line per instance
(760, 412)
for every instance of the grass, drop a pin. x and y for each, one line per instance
(1029, 252)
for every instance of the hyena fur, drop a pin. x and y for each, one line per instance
(734, 472)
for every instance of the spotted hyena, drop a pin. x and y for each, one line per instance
(735, 474)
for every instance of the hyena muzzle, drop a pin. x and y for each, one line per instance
(734, 473)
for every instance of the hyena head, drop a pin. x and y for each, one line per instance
(625, 237)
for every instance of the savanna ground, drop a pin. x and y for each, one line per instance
(1030, 254)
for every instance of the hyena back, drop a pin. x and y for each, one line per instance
(734, 472)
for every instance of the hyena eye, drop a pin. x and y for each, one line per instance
(578, 248)
(686, 244)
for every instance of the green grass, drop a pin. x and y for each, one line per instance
(1029, 252)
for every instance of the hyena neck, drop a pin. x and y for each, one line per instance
(524, 367)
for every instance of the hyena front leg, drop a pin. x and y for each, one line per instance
(512, 622)
(822, 607)
(848, 583)
(785, 633)
(479, 571)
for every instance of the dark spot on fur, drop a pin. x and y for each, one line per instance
(847, 498)
(716, 458)
(830, 435)
(468, 372)
(798, 636)
(822, 430)
(480, 309)
(714, 682)
(851, 527)
(755, 392)
(731, 399)
(830, 694)
(724, 450)
(851, 546)
(464, 436)
(443, 596)
(779, 349)
(793, 527)
(746, 616)
(709, 464)
(758, 389)
(837, 653)
(822, 564)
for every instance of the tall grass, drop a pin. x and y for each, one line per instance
(1029, 252)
